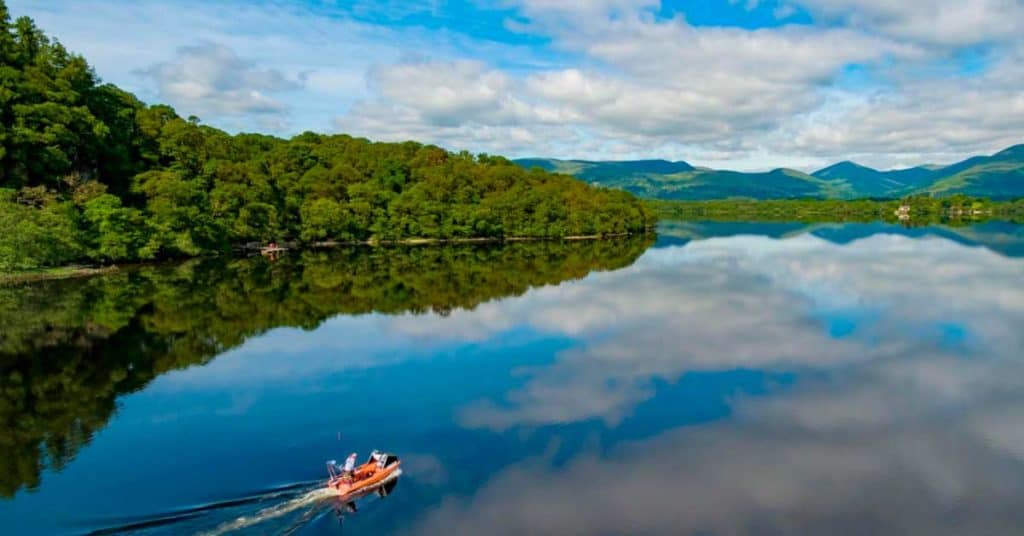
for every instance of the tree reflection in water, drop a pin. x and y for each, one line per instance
(69, 348)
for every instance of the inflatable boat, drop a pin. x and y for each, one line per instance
(365, 478)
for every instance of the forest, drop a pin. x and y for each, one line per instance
(920, 209)
(89, 173)
(116, 333)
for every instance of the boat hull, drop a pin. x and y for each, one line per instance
(366, 477)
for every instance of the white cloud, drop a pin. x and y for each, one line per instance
(661, 87)
(605, 79)
(716, 95)
(328, 55)
(664, 83)
(211, 78)
(941, 22)
(450, 93)
(921, 120)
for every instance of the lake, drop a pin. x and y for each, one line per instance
(720, 378)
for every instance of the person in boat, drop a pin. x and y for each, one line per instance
(377, 457)
(349, 469)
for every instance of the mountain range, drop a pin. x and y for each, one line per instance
(999, 176)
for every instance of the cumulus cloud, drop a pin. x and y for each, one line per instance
(942, 22)
(931, 81)
(327, 55)
(934, 120)
(212, 78)
(452, 93)
(456, 104)
(662, 82)
(650, 86)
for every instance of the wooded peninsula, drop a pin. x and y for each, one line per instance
(89, 173)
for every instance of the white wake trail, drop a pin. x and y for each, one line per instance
(272, 512)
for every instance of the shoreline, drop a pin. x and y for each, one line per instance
(79, 271)
(53, 274)
(478, 240)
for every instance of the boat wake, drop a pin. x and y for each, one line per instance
(278, 510)
(311, 498)
(221, 517)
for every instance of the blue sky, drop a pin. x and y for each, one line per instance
(743, 84)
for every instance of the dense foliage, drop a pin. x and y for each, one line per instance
(88, 172)
(115, 333)
(919, 210)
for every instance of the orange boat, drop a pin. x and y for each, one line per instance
(365, 478)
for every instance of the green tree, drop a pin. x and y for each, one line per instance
(35, 237)
(129, 181)
(115, 231)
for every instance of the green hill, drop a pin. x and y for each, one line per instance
(863, 181)
(89, 173)
(660, 179)
(601, 171)
(1000, 176)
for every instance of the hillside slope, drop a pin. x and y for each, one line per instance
(862, 181)
(89, 173)
(660, 179)
(1000, 176)
(615, 170)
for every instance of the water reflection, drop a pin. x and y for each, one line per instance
(827, 379)
(747, 302)
(69, 348)
(905, 416)
(1002, 237)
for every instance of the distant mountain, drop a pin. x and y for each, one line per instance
(661, 179)
(598, 171)
(862, 181)
(1000, 176)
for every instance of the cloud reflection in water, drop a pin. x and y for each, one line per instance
(906, 421)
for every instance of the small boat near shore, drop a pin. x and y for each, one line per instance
(272, 250)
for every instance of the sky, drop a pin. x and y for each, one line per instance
(737, 84)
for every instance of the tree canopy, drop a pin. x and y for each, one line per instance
(90, 173)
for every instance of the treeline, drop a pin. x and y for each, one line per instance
(115, 333)
(915, 209)
(90, 173)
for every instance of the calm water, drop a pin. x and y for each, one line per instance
(723, 379)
